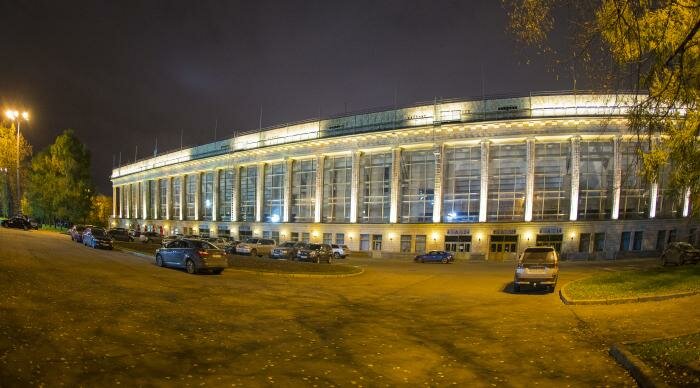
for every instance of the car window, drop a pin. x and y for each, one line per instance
(335, 246)
(433, 252)
(201, 244)
(288, 244)
(539, 257)
(173, 244)
(98, 232)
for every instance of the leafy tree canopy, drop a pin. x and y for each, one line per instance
(8, 167)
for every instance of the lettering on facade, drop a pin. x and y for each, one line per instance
(503, 231)
(222, 227)
(458, 232)
(244, 228)
(550, 230)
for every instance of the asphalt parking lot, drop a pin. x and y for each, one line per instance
(76, 316)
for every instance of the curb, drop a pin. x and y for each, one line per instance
(642, 374)
(135, 253)
(568, 300)
(297, 275)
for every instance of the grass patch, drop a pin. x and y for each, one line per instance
(676, 360)
(288, 267)
(636, 283)
(51, 228)
(148, 249)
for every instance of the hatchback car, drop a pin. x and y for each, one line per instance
(17, 223)
(679, 253)
(95, 237)
(340, 251)
(316, 253)
(256, 246)
(537, 266)
(192, 255)
(435, 257)
(287, 250)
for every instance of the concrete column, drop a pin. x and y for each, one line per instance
(198, 196)
(156, 191)
(137, 200)
(617, 178)
(483, 195)
(235, 193)
(145, 192)
(652, 198)
(127, 205)
(215, 196)
(183, 189)
(439, 152)
(114, 201)
(318, 205)
(287, 200)
(395, 185)
(686, 203)
(121, 201)
(529, 178)
(259, 191)
(168, 198)
(355, 185)
(575, 176)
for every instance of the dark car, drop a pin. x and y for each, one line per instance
(119, 234)
(192, 255)
(17, 223)
(435, 257)
(230, 248)
(151, 237)
(315, 253)
(95, 237)
(288, 250)
(679, 253)
(76, 233)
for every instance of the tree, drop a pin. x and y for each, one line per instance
(652, 47)
(101, 210)
(59, 185)
(8, 167)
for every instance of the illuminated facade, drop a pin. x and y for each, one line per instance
(483, 178)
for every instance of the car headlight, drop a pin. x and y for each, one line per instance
(312, 253)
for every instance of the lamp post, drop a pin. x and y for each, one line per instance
(17, 117)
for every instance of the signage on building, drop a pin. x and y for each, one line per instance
(223, 227)
(504, 231)
(550, 230)
(457, 231)
(244, 228)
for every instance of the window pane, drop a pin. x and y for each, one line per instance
(249, 178)
(274, 192)
(337, 178)
(375, 188)
(303, 190)
(507, 169)
(595, 180)
(417, 186)
(552, 183)
(462, 184)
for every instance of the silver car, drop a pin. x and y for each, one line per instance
(537, 266)
(256, 246)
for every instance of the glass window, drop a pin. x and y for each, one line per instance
(668, 202)
(266, 234)
(584, 242)
(225, 194)
(273, 204)
(375, 188)
(406, 241)
(660, 240)
(135, 200)
(207, 200)
(625, 241)
(328, 238)
(337, 178)
(249, 179)
(294, 236)
(462, 184)
(340, 238)
(420, 243)
(637, 241)
(595, 180)
(552, 183)
(634, 193)
(364, 242)
(671, 236)
(163, 188)
(305, 237)
(275, 235)
(417, 186)
(190, 189)
(599, 242)
(152, 195)
(303, 190)
(376, 242)
(507, 169)
(177, 197)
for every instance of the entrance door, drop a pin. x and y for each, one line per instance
(550, 240)
(503, 247)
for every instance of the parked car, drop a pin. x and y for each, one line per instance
(435, 256)
(256, 246)
(119, 234)
(287, 250)
(34, 224)
(76, 233)
(230, 248)
(17, 223)
(95, 237)
(192, 255)
(151, 237)
(171, 238)
(537, 266)
(679, 253)
(220, 242)
(315, 253)
(134, 233)
(340, 251)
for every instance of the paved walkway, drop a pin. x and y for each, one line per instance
(75, 315)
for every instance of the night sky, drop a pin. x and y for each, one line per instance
(123, 73)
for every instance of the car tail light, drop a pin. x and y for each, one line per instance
(203, 253)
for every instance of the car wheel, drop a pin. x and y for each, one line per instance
(217, 271)
(444, 261)
(516, 287)
(159, 261)
(336, 255)
(318, 260)
(421, 260)
(191, 268)
(682, 260)
(329, 259)
(254, 253)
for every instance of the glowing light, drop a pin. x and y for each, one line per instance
(451, 216)
(207, 203)
(275, 218)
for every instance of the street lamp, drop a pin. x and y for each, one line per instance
(17, 117)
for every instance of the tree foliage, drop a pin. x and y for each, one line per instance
(8, 167)
(652, 47)
(101, 210)
(59, 185)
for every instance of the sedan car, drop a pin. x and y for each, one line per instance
(151, 237)
(17, 223)
(679, 253)
(537, 266)
(287, 250)
(119, 234)
(256, 246)
(95, 237)
(316, 253)
(193, 255)
(435, 257)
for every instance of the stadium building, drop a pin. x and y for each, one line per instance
(483, 178)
